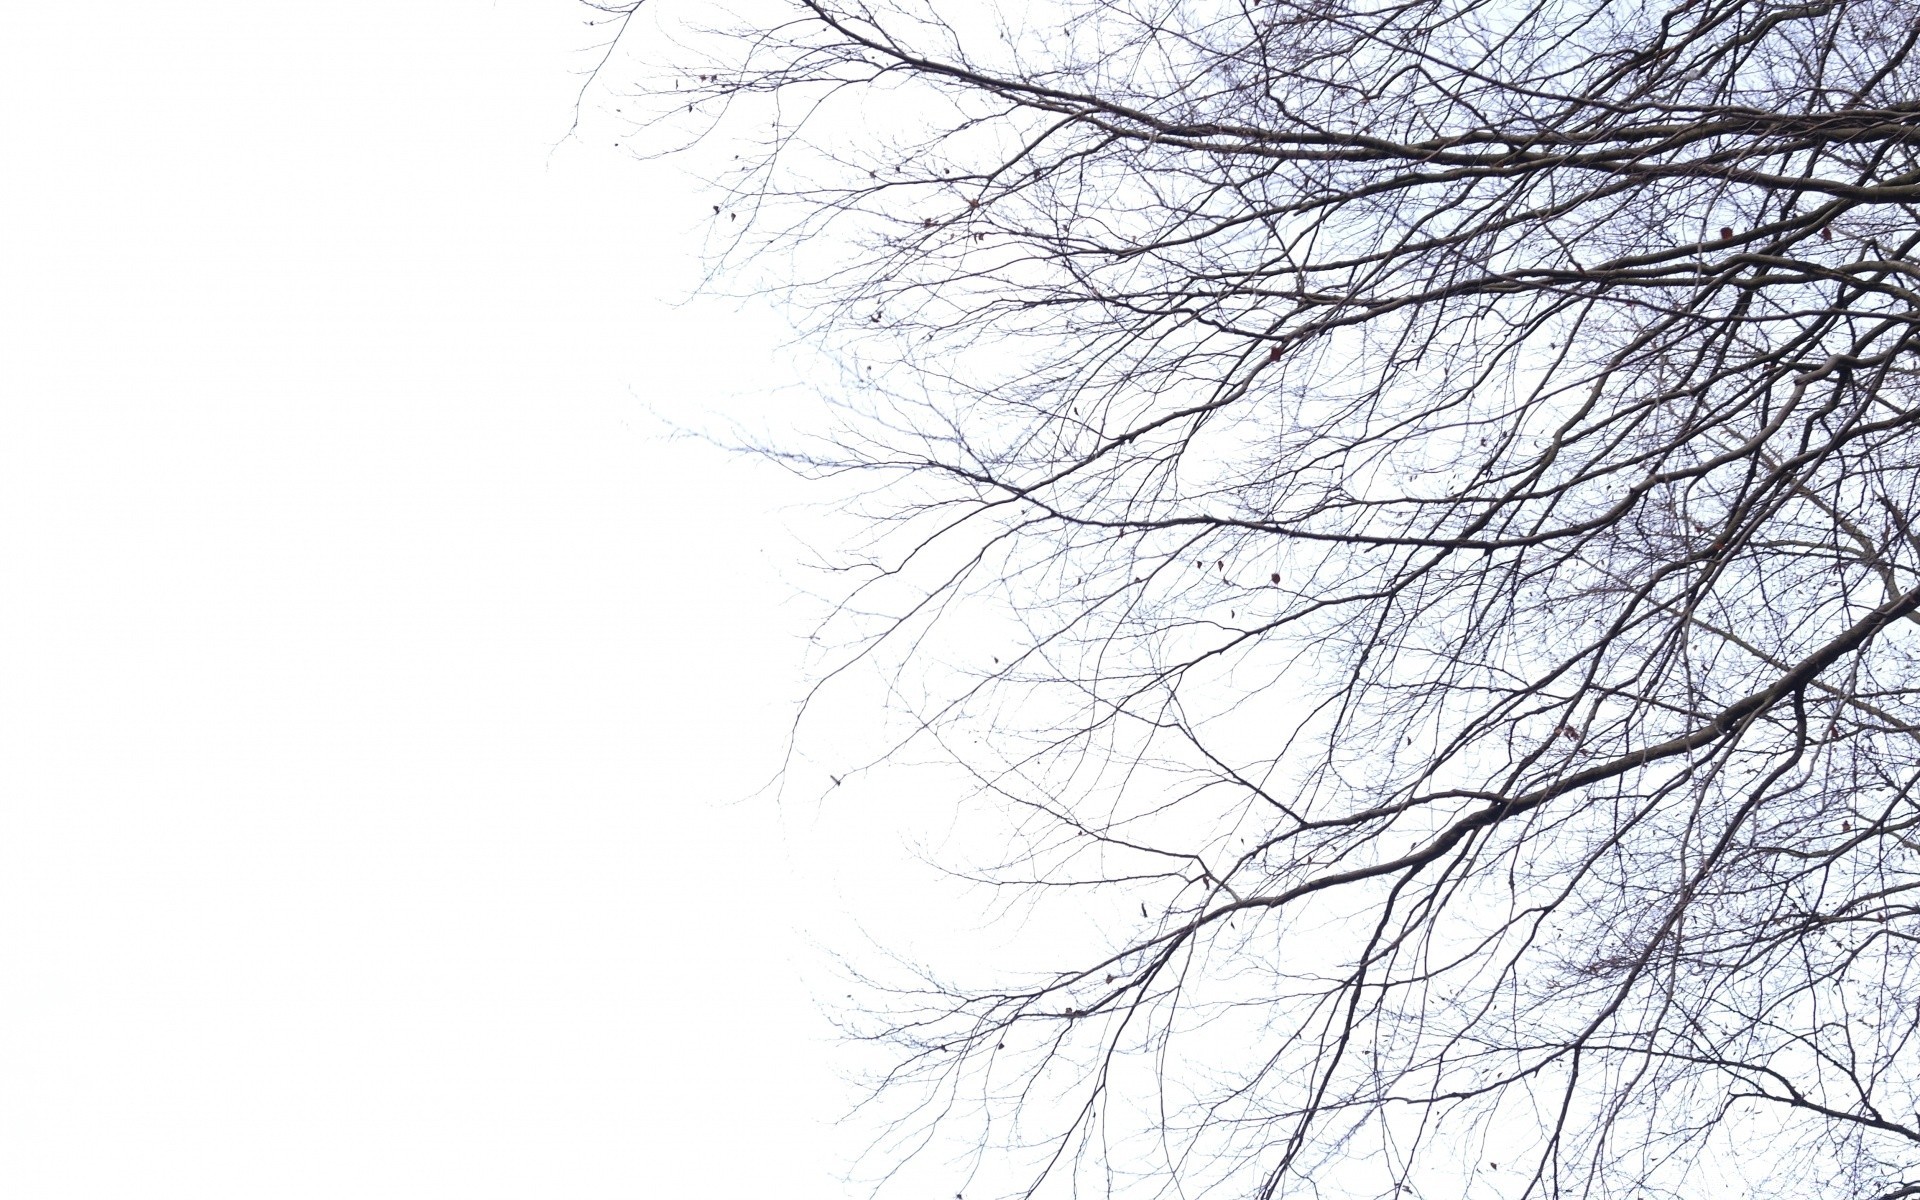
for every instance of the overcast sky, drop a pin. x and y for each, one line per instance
(377, 684)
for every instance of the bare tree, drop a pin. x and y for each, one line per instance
(1437, 483)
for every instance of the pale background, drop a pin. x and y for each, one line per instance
(378, 690)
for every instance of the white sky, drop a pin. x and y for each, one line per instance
(373, 680)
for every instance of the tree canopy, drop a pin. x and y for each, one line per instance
(1443, 480)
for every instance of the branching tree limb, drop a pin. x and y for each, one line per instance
(1441, 480)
